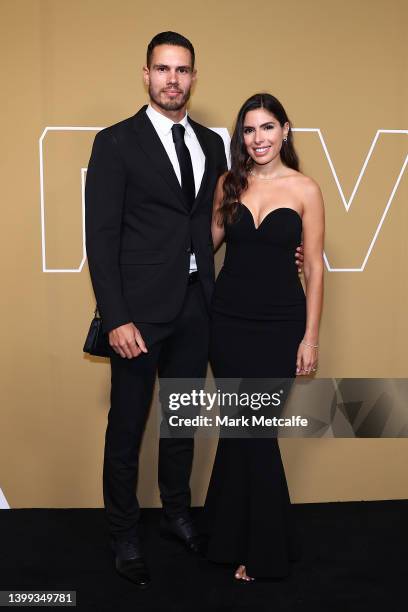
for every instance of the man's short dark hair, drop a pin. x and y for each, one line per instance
(169, 38)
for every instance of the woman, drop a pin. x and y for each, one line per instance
(263, 325)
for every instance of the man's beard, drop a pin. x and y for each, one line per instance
(171, 105)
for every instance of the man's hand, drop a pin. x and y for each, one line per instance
(299, 258)
(127, 341)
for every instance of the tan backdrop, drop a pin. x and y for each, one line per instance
(338, 67)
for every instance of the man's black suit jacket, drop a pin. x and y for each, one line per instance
(138, 227)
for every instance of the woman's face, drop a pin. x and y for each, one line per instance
(263, 135)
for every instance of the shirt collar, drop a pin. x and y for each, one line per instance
(163, 124)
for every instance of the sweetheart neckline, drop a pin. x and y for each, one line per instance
(269, 213)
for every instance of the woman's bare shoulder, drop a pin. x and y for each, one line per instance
(306, 186)
(303, 180)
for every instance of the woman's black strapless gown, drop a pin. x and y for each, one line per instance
(258, 321)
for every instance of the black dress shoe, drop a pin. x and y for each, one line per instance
(129, 562)
(183, 529)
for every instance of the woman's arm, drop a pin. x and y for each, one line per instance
(217, 230)
(313, 240)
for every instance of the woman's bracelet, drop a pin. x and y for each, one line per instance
(311, 345)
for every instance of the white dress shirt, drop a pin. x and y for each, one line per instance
(163, 125)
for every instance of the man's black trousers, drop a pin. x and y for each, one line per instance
(178, 349)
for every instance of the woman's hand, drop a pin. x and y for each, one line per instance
(306, 361)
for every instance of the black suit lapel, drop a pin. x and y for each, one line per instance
(201, 137)
(151, 144)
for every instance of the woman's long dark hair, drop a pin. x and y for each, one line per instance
(236, 180)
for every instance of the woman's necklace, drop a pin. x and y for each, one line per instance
(263, 178)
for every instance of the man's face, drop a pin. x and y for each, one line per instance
(169, 77)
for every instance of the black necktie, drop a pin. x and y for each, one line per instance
(186, 167)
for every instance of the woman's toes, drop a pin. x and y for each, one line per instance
(246, 577)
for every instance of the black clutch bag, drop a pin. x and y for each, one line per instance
(97, 341)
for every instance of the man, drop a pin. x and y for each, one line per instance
(149, 194)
